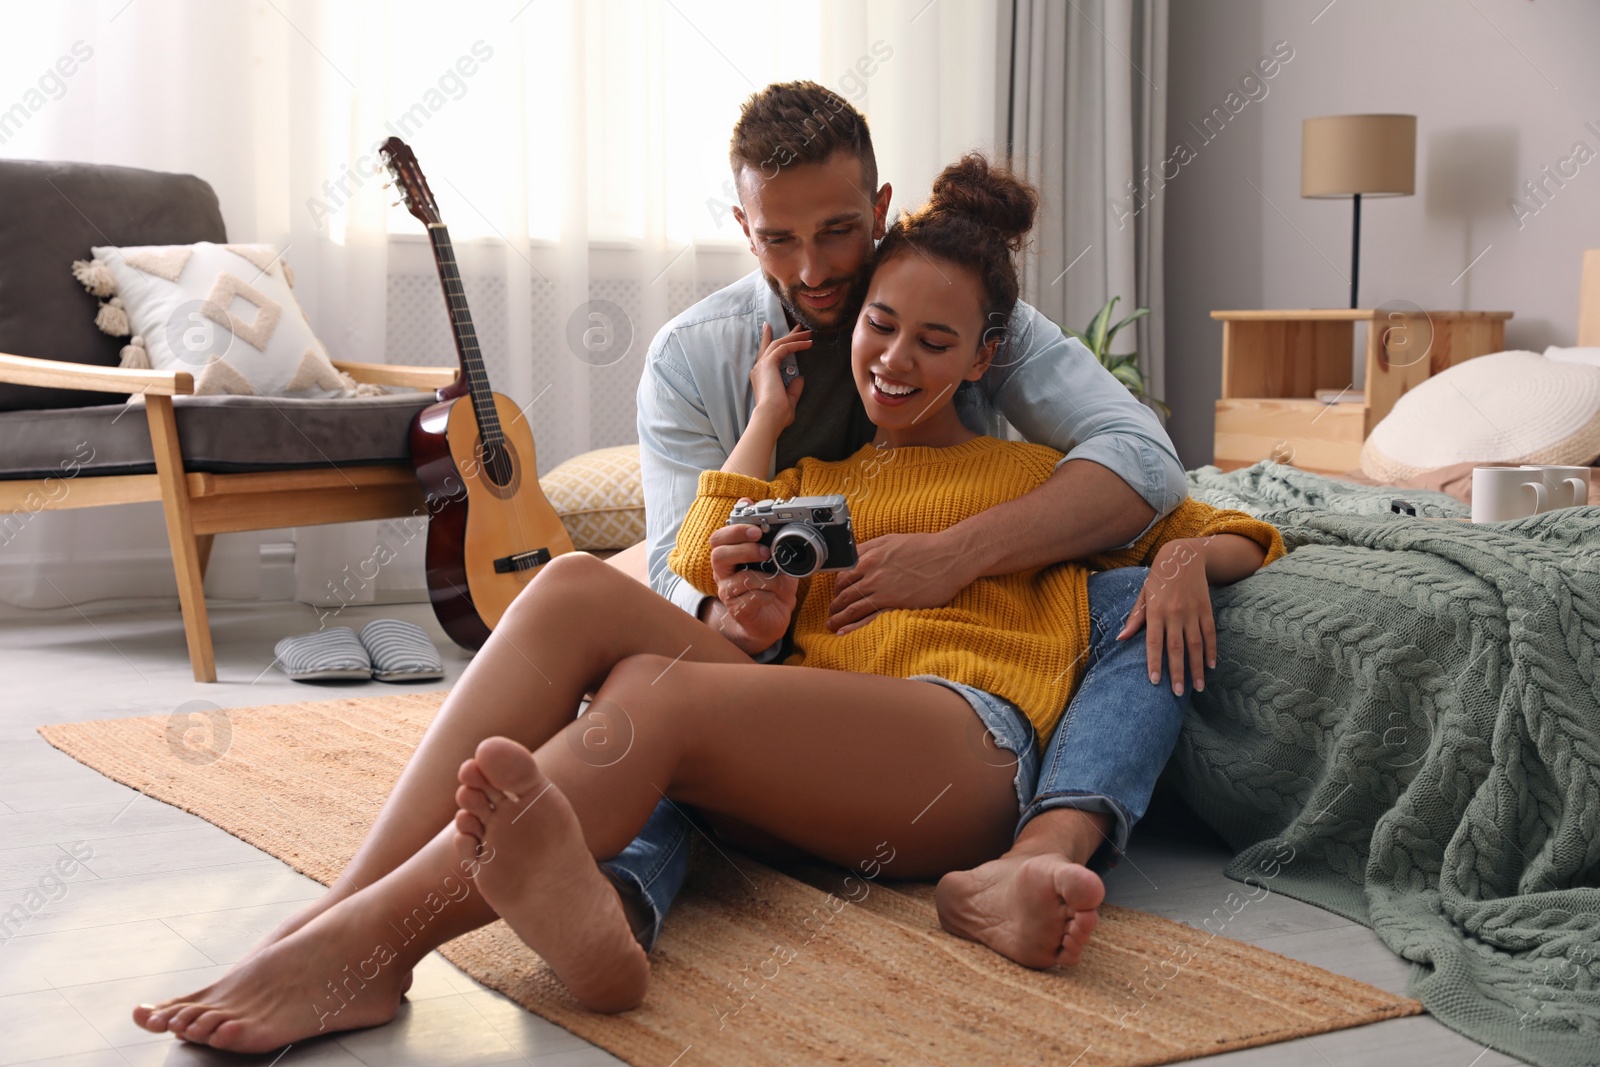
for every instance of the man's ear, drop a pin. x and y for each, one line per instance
(744, 224)
(880, 212)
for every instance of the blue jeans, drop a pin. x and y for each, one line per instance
(1108, 749)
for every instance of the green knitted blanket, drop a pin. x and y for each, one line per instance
(1404, 728)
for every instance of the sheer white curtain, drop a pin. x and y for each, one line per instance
(578, 153)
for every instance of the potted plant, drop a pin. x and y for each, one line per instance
(1097, 339)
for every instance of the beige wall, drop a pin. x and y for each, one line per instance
(1497, 95)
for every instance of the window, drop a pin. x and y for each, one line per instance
(563, 118)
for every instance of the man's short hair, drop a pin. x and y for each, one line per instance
(800, 122)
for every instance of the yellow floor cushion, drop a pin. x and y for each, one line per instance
(599, 497)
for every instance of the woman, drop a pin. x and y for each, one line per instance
(859, 749)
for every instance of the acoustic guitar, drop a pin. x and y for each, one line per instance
(490, 528)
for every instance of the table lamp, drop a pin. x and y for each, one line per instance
(1356, 156)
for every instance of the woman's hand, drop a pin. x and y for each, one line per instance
(759, 606)
(1175, 608)
(775, 404)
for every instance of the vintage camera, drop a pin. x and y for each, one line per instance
(806, 534)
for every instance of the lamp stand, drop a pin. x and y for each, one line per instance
(1355, 253)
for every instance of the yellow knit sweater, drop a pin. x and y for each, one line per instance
(1020, 635)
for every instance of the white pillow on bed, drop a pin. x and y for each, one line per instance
(1591, 356)
(1504, 408)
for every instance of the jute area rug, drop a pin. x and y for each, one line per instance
(754, 966)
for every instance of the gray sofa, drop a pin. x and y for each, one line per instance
(69, 439)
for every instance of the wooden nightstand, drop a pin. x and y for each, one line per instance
(1273, 362)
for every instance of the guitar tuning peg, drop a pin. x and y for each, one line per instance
(394, 203)
(388, 185)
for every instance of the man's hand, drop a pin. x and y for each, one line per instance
(759, 606)
(1175, 608)
(898, 571)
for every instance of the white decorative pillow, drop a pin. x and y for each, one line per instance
(1591, 356)
(225, 313)
(600, 498)
(1504, 408)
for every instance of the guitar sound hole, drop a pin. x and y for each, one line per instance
(497, 463)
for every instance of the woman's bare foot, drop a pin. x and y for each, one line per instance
(1038, 910)
(324, 977)
(305, 915)
(543, 881)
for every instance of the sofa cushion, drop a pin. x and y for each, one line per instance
(225, 313)
(54, 213)
(220, 434)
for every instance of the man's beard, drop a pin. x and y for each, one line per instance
(844, 312)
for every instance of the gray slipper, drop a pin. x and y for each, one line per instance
(326, 656)
(401, 652)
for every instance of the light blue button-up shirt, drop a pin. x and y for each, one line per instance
(695, 401)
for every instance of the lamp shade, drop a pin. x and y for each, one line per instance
(1373, 155)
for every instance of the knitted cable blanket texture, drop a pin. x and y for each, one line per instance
(1404, 728)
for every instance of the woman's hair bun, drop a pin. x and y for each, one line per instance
(978, 217)
(988, 192)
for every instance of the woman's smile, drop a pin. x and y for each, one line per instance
(890, 392)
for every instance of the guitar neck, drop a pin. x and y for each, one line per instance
(474, 379)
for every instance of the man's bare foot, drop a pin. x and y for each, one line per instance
(542, 881)
(321, 978)
(1038, 910)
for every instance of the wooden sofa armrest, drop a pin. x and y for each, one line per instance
(425, 378)
(59, 374)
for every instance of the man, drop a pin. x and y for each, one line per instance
(811, 208)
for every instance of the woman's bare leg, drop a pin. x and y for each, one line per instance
(346, 967)
(828, 761)
(882, 775)
(855, 768)
(557, 641)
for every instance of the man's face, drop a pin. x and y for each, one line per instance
(812, 227)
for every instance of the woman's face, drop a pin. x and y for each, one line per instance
(919, 336)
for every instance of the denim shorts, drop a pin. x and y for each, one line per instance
(1008, 726)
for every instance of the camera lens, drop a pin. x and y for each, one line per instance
(798, 550)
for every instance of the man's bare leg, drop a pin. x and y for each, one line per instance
(1037, 903)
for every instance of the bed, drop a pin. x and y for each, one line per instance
(1403, 727)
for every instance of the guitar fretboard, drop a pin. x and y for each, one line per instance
(466, 337)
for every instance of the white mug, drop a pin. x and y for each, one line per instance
(1500, 493)
(1564, 487)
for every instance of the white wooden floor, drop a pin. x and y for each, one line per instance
(168, 901)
